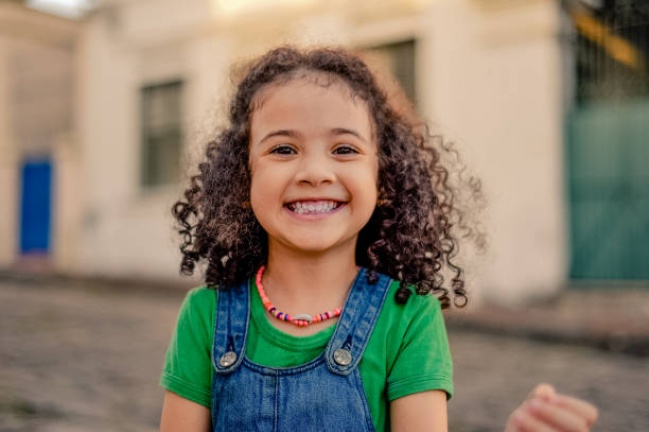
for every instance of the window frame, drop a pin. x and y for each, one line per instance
(167, 133)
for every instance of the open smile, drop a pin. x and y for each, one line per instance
(314, 207)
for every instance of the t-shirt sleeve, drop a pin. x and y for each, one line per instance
(187, 369)
(424, 360)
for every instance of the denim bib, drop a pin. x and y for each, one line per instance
(323, 394)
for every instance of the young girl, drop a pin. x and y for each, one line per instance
(324, 220)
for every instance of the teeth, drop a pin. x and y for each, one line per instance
(313, 207)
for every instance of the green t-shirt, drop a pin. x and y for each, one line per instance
(407, 352)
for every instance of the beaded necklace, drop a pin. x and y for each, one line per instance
(300, 320)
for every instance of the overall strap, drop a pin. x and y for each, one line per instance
(356, 323)
(230, 327)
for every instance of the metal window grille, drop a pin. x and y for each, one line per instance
(611, 48)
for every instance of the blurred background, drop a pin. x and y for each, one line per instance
(104, 104)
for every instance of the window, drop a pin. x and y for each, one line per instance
(161, 133)
(399, 59)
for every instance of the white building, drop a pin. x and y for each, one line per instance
(153, 77)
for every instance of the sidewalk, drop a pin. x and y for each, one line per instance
(86, 354)
(607, 317)
(613, 319)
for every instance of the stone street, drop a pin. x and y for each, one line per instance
(86, 357)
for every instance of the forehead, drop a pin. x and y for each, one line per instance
(310, 96)
(305, 78)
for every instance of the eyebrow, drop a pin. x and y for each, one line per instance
(345, 131)
(294, 134)
(281, 133)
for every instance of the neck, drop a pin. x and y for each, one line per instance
(309, 282)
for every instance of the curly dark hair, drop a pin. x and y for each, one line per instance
(410, 235)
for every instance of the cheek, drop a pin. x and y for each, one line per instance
(256, 192)
(257, 205)
(265, 191)
(366, 184)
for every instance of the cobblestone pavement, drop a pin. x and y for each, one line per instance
(87, 358)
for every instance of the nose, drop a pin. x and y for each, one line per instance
(315, 169)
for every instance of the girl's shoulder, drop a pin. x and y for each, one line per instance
(416, 302)
(199, 303)
(417, 307)
(200, 293)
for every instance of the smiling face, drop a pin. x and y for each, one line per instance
(314, 166)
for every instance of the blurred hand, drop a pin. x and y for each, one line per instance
(545, 410)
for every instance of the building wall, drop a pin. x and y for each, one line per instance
(496, 88)
(37, 72)
(127, 229)
(488, 74)
(8, 164)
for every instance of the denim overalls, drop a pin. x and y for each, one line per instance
(324, 394)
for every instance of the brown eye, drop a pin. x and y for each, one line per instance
(345, 150)
(283, 150)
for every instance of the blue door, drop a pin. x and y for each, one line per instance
(35, 207)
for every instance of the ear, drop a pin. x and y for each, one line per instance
(382, 202)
